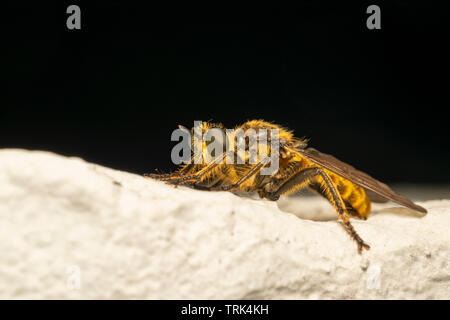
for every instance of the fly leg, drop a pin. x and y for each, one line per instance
(336, 200)
(197, 176)
(247, 176)
(302, 179)
(169, 176)
(297, 181)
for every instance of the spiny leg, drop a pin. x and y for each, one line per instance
(196, 177)
(297, 181)
(247, 176)
(171, 175)
(338, 203)
(303, 177)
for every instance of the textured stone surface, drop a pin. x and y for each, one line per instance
(131, 237)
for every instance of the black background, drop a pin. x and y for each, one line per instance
(113, 91)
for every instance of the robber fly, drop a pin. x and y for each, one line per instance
(349, 190)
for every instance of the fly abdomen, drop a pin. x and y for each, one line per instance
(355, 198)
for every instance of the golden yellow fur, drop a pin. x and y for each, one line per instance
(345, 196)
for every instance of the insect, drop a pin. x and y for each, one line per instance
(349, 190)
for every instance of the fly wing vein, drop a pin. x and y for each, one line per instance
(358, 177)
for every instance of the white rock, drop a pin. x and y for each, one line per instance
(123, 236)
